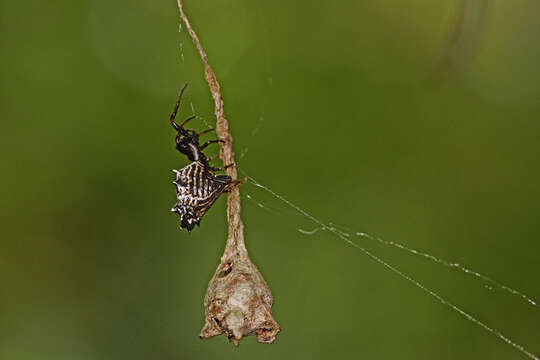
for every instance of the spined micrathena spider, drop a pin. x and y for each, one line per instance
(197, 187)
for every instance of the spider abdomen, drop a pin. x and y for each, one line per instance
(197, 188)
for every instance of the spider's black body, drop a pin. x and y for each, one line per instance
(197, 187)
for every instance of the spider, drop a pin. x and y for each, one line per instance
(197, 187)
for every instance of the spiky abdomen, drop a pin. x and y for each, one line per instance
(197, 188)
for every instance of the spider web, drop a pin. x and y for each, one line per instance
(349, 237)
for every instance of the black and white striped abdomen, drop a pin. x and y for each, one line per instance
(197, 188)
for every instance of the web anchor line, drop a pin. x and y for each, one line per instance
(494, 284)
(346, 237)
(490, 283)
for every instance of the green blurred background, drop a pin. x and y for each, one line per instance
(416, 121)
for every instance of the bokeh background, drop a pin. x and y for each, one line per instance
(416, 121)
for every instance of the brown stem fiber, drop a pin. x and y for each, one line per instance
(238, 301)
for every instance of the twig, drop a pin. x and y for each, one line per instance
(238, 301)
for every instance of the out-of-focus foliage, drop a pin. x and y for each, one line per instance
(417, 121)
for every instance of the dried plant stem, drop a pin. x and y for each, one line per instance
(238, 301)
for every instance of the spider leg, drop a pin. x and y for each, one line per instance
(211, 142)
(236, 183)
(206, 131)
(221, 168)
(185, 121)
(173, 115)
(225, 179)
(240, 182)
